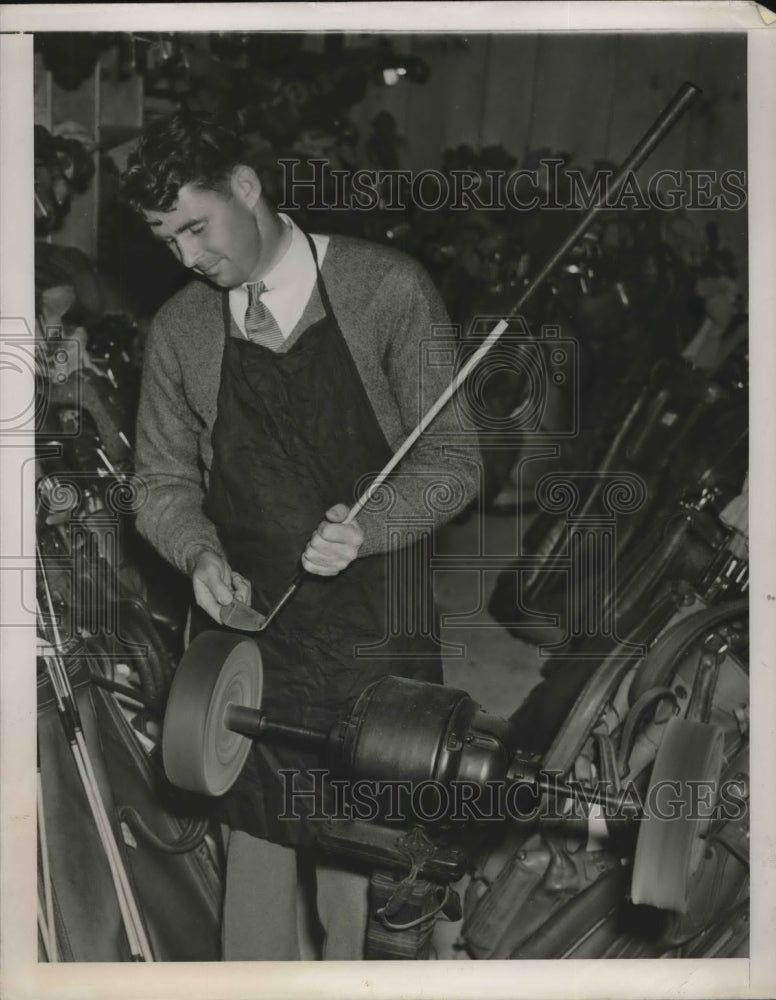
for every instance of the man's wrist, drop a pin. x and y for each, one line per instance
(194, 553)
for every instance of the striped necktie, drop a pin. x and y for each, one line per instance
(260, 325)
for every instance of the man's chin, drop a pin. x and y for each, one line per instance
(220, 279)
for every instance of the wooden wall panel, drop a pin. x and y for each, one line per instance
(573, 92)
(465, 89)
(509, 92)
(447, 110)
(650, 69)
(717, 129)
(590, 95)
(426, 126)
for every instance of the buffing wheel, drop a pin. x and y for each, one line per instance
(669, 852)
(200, 754)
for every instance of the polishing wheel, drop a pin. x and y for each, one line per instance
(199, 752)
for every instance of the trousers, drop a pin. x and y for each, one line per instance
(283, 904)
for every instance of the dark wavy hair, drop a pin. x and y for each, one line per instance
(186, 147)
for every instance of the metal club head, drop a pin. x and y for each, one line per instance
(239, 616)
(242, 618)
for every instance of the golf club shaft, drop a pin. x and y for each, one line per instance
(46, 872)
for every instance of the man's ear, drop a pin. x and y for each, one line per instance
(246, 186)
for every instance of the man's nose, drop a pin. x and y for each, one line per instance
(190, 252)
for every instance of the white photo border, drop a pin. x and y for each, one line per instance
(23, 978)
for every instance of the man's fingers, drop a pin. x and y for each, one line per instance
(242, 588)
(338, 512)
(331, 546)
(320, 568)
(206, 601)
(323, 553)
(348, 534)
(212, 581)
(334, 545)
(320, 553)
(219, 590)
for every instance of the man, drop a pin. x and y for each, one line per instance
(275, 385)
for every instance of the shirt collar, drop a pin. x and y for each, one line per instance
(295, 263)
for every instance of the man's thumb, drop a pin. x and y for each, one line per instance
(337, 513)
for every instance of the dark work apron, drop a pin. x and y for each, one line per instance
(294, 435)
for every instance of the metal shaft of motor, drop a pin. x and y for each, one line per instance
(687, 94)
(254, 723)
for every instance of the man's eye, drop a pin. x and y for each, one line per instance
(198, 228)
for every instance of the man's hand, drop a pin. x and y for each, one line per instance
(334, 545)
(216, 584)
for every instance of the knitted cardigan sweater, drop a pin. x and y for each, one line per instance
(388, 311)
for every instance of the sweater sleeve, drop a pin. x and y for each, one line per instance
(167, 459)
(434, 481)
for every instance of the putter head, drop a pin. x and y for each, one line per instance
(242, 618)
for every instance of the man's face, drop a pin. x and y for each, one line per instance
(214, 233)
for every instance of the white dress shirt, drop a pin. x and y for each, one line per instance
(288, 285)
